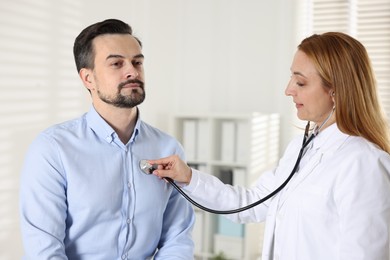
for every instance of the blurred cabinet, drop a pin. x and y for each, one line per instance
(237, 149)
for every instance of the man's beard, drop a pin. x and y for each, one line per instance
(136, 97)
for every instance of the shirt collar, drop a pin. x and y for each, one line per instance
(104, 130)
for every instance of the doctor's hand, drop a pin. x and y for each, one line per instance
(172, 167)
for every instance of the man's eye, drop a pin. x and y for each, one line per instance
(138, 63)
(116, 64)
(300, 84)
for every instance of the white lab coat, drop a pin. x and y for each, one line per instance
(336, 207)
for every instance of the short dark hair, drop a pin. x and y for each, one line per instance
(83, 51)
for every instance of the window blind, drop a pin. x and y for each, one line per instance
(366, 20)
(39, 87)
(373, 29)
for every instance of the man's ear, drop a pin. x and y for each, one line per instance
(87, 78)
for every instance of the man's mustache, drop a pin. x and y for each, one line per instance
(131, 81)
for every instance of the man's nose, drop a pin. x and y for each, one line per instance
(131, 72)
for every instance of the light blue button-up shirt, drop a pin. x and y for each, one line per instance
(83, 195)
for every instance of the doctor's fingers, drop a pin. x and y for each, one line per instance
(160, 172)
(165, 162)
(179, 175)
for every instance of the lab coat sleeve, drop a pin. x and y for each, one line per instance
(209, 191)
(362, 197)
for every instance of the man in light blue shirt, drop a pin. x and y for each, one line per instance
(83, 195)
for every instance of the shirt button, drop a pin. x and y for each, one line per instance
(128, 221)
(124, 256)
(129, 185)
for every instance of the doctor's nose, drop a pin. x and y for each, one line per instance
(289, 91)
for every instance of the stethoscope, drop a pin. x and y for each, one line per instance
(148, 169)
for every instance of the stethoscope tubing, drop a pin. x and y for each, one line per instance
(305, 143)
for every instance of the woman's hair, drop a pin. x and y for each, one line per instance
(83, 51)
(345, 68)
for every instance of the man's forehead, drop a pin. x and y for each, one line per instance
(117, 45)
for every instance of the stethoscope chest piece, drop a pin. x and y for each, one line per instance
(146, 167)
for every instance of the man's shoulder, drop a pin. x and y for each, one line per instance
(149, 129)
(65, 128)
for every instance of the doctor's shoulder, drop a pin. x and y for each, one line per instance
(358, 148)
(357, 167)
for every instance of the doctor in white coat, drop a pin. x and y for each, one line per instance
(337, 205)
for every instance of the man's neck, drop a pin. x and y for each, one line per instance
(122, 120)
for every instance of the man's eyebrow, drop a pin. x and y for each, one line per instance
(139, 56)
(112, 56)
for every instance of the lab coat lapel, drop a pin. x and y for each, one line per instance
(333, 141)
(301, 176)
(323, 148)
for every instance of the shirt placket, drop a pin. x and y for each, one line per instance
(129, 202)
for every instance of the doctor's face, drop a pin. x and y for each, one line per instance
(313, 101)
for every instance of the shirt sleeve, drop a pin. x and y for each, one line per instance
(43, 202)
(176, 236)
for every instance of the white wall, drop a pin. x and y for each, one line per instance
(212, 56)
(201, 56)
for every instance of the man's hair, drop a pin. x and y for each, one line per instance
(83, 51)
